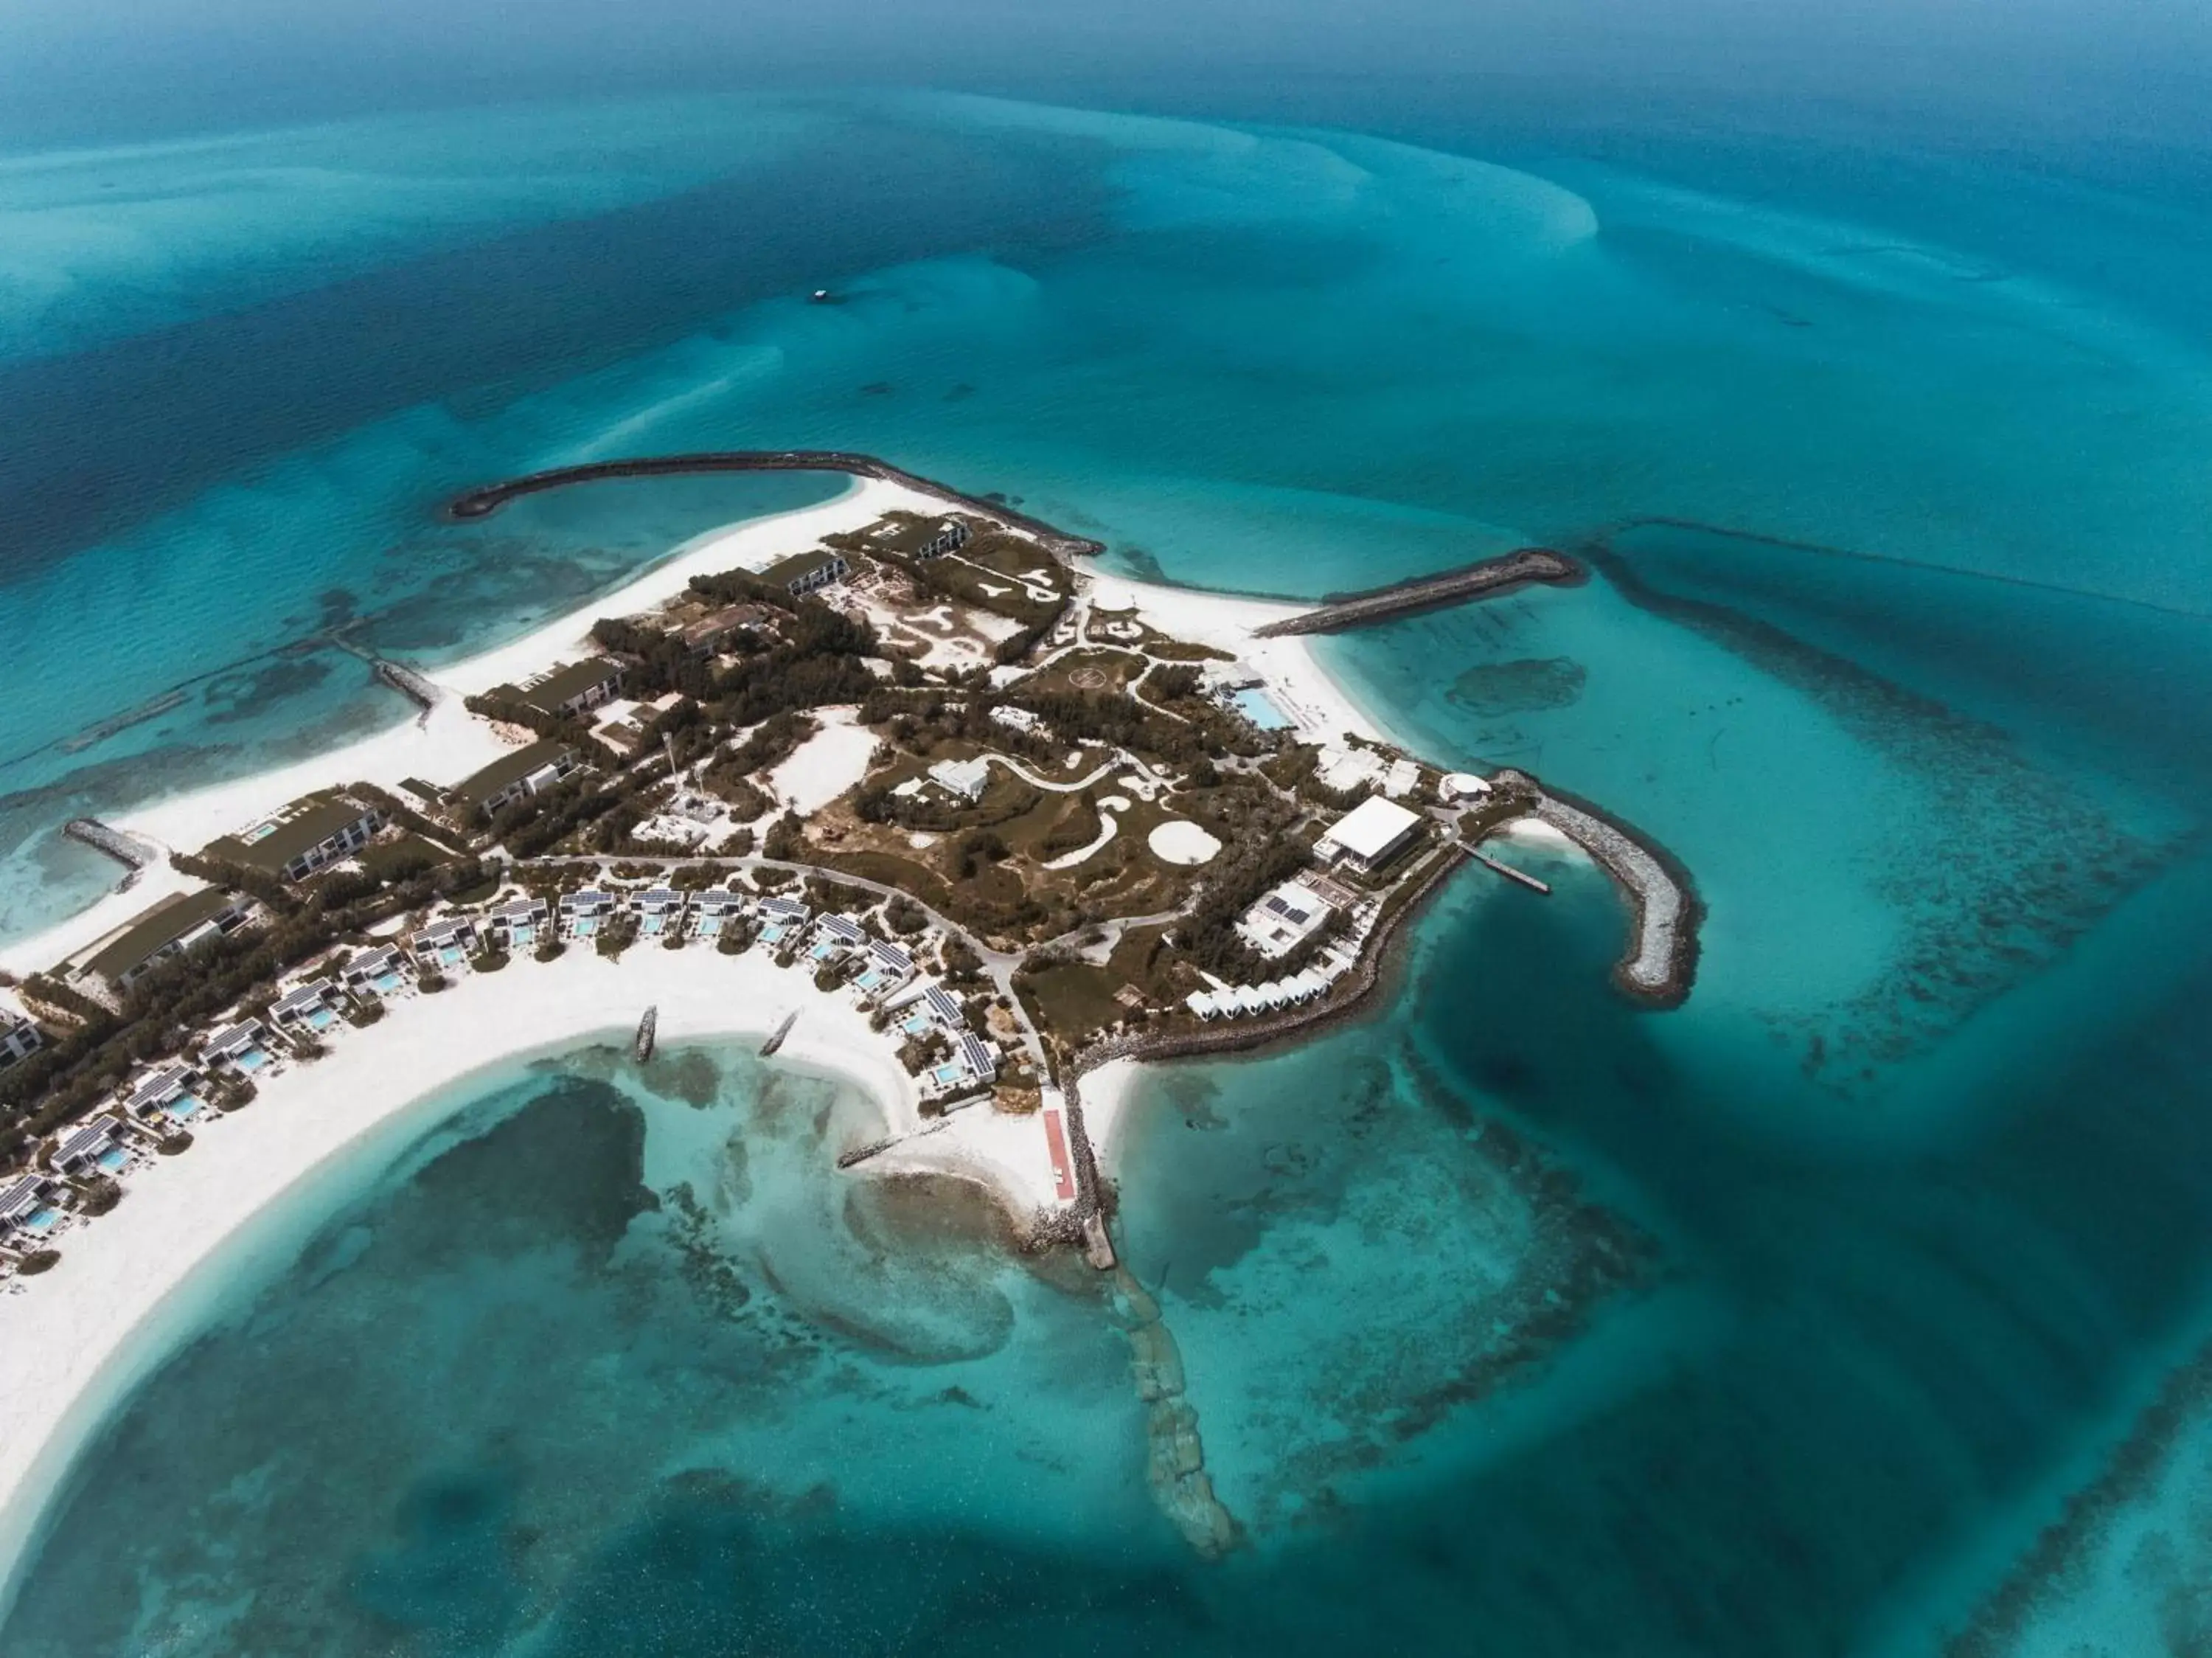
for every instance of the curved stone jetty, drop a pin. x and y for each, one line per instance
(483, 501)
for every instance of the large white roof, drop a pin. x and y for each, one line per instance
(1371, 826)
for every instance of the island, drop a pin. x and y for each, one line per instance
(906, 787)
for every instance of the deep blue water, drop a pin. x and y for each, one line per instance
(1780, 1324)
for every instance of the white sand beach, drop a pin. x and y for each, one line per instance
(450, 742)
(75, 1340)
(1296, 682)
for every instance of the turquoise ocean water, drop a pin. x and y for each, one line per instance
(1794, 1321)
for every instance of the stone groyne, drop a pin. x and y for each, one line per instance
(1175, 1454)
(1485, 580)
(132, 853)
(482, 503)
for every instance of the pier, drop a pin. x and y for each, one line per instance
(1508, 871)
(1485, 580)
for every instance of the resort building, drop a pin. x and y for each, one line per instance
(660, 911)
(1462, 786)
(1017, 719)
(169, 929)
(27, 1210)
(375, 973)
(806, 572)
(305, 837)
(308, 1007)
(443, 944)
(515, 926)
(1402, 779)
(91, 1147)
(781, 920)
(981, 1058)
(707, 635)
(511, 777)
(167, 1091)
(1369, 836)
(19, 1038)
(582, 914)
(945, 1010)
(887, 970)
(1345, 769)
(564, 691)
(966, 778)
(241, 1049)
(713, 908)
(950, 536)
(1283, 919)
(834, 935)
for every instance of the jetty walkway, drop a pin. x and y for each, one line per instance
(1484, 580)
(483, 501)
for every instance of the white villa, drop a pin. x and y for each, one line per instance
(309, 1007)
(515, 925)
(966, 778)
(166, 1090)
(87, 1147)
(1283, 919)
(375, 973)
(241, 1049)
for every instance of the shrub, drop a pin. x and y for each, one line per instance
(828, 977)
(176, 1141)
(431, 980)
(732, 942)
(490, 962)
(365, 1014)
(674, 941)
(550, 947)
(37, 1261)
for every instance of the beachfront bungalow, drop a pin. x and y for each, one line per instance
(567, 690)
(659, 911)
(713, 909)
(834, 936)
(781, 920)
(444, 944)
(19, 1040)
(167, 929)
(584, 913)
(511, 777)
(966, 779)
(981, 1058)
(92, 1148)
(1369, 836)
(515, 926)
(28, 1210)
(1206, 1004)
(241, 1049)
(887, 970)
(308, 1007)
(375, 973)
(166, 1092)
(807, 572)
(307, 835)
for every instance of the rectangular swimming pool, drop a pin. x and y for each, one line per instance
(1257, 706)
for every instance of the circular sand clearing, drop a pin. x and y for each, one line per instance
(1181, 841)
